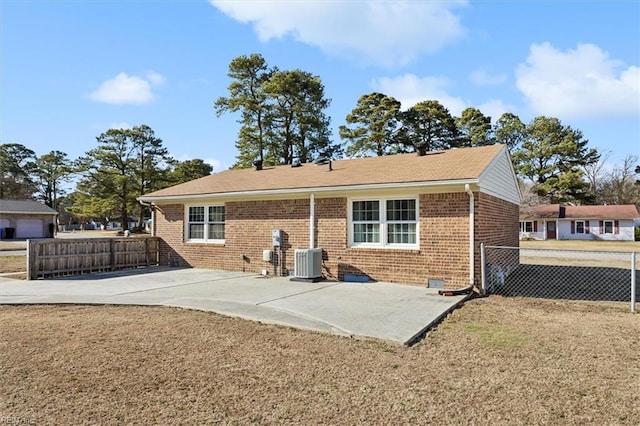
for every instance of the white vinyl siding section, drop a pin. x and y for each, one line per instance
(625, 230)
(499, 179)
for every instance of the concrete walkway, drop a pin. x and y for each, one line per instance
(395, 312)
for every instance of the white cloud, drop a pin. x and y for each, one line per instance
(386, 33)
(155, 79)
(126, 89)
(218, 165)
(410, 89)
(494, 108)
(579, 83)
(482, 78)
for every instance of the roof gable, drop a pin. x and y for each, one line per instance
(455, 165)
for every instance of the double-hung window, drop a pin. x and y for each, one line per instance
(526, 226)
(205, 223)
(608, 227)
(384, 223)
(580, 229)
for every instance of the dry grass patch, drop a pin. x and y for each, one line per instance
(495, 361)
(13, 264)
(16, 245)
(623, 246)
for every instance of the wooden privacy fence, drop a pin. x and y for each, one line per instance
(57, 257)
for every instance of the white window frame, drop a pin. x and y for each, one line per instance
(604, 226)
(584, 227)
(206, 223)
(523, 226)
(383, 222)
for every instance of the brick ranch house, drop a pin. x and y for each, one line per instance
(556, 222)
(400, 218)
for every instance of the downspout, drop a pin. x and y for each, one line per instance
(471, 234)
(312, 221)
(153, 216)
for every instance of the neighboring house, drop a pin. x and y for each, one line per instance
(399, 218)
(116, 225)
(553, 221)
(26, 219)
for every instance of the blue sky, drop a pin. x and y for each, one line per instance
(70, 70)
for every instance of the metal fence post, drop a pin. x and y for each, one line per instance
(633, 281)
(483, 275)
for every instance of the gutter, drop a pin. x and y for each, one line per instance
(471, 234)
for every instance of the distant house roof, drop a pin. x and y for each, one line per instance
(541, 211)
(550, 211)
(456, 165)
(25, 207)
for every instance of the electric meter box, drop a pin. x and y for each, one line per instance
(276, 237)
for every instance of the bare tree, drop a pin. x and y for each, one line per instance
(619, 186)
(595, 174)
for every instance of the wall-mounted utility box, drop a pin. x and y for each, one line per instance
(267, 255)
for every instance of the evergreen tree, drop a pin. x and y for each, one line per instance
(281, 113)
(16, 167)
(185, 171)
(474, 128)
(373, 126)
(247, 96)
(428, 126)
(510, 131)
(552, 157)
(52, 170)
(126, 164)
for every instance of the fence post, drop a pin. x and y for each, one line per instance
(483, 276)
(31, 260)
(633, 281)
(112, 249)
(146, 251)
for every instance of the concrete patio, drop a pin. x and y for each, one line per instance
(394, 312)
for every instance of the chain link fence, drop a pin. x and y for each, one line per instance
(561, 274)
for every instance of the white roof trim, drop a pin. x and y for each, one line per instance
(309, 190)
(34, 213)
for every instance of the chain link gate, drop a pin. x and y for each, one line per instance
(560, 274)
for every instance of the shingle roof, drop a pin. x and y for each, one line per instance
(550, 211)
(541, 211)
(602, 212)
(450, 165)
(25, 206)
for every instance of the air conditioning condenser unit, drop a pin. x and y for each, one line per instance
(308, 264)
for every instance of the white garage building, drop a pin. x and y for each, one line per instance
(22, 219)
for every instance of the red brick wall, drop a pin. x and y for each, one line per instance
(497, 225)
(444, 241)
